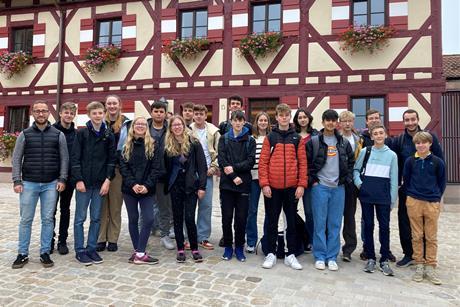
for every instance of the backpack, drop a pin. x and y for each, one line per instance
(272, 142)
(366, 158)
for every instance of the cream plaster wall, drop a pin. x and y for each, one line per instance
(144, 24)
(419, 56)
(17, 3)
(49, 77)
(72, 75)
(318, 112)
(266, 61)
(118, 73)
(215, 65)
(22, 17)
(419, 11)
(52, 32)
(320, 16)
(379, 59)
(140, 110)
(145, 70)
(192, 64)
(23, 79)
(424, 117)
(222, 109)
(290, 62)
(164, 3)
(2, 21)
(239, 64)
(319, 60)
(73, 29)
(101, 9)
(168, 68)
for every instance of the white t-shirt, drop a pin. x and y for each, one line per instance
(202, 136)
(351, 139)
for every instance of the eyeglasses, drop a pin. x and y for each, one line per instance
(40, 111)
(176, 125)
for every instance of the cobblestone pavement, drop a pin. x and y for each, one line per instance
(215, 282)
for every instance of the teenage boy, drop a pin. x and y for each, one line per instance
(236, 155)
(187, 113)
(40, 164)
(330, 166)
(209, 135)
(283, 178)
(404, 147)
(377, 181)
(93, 167)
(67, 113)
(347, 122)
(425, 181)
(158, 127)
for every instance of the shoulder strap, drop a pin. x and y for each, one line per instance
(366, 158)
(400, 141)
(315, 143)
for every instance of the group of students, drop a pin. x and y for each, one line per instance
(163, 170)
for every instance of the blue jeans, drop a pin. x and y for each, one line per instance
(251, 226)
(327, 204)
(92, 199)
(27, 203)
(306, 199)
(203, 222)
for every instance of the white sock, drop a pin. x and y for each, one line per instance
(140, 254)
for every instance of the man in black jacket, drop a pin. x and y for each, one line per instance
(67, 113)
(40, 164)
(93, 167)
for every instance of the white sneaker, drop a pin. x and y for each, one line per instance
(291, 261)
(250, 249)
(167, 242)
(320, 265)
(172, 235)
(270, 261)
(332, 265)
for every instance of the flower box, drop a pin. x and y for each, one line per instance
(260, 45)
(185, 49)
(98, 58)
(12, 63)
(7, 143)
(365, 38)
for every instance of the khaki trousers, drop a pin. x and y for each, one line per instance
(423, 216)
(111, 212)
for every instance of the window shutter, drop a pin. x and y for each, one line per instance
(128, 42)
(38, 44)
(86, 35)
(240, 20)
(215, 23)
(291, 101)
(338, 103)
(168, 24)
(340, 16)
(397, 104)
(291, 17)
(398, 14)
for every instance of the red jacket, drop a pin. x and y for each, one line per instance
(282, 167)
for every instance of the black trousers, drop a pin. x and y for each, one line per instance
(184, 208)
(349, 222)
(234, 204)
(405, 236)
(281, 199)
(64, 199)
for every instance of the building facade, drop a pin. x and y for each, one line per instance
(309, 70)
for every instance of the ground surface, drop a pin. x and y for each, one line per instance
(215, 282)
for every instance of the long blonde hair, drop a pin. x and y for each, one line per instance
(172, 146)
(119, 121)
(149, 142)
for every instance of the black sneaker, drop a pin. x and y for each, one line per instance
(112, 247)
(363, 256)
(221, 242)
(83, 258)
(405, 262)
(100, 247)
(46, 260)
(62, 248)
(180, 257)
(385, 268)
(94, 256)
(52, 248)
(197, 256)
(308, 249)
(346, 257)
(21, 260)
(391, 257)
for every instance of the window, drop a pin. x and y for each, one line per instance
(18, 119)
(194, 24)
(22, 39)
(257, 105)
(109, 32)
(266, 18)
(369, 12)
(360, 105)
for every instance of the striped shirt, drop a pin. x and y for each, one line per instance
(255, 169)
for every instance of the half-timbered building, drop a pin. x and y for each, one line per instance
(309, 70)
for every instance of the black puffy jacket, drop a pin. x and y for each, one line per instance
(346, 159)
(93, 157)
(140, 170)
